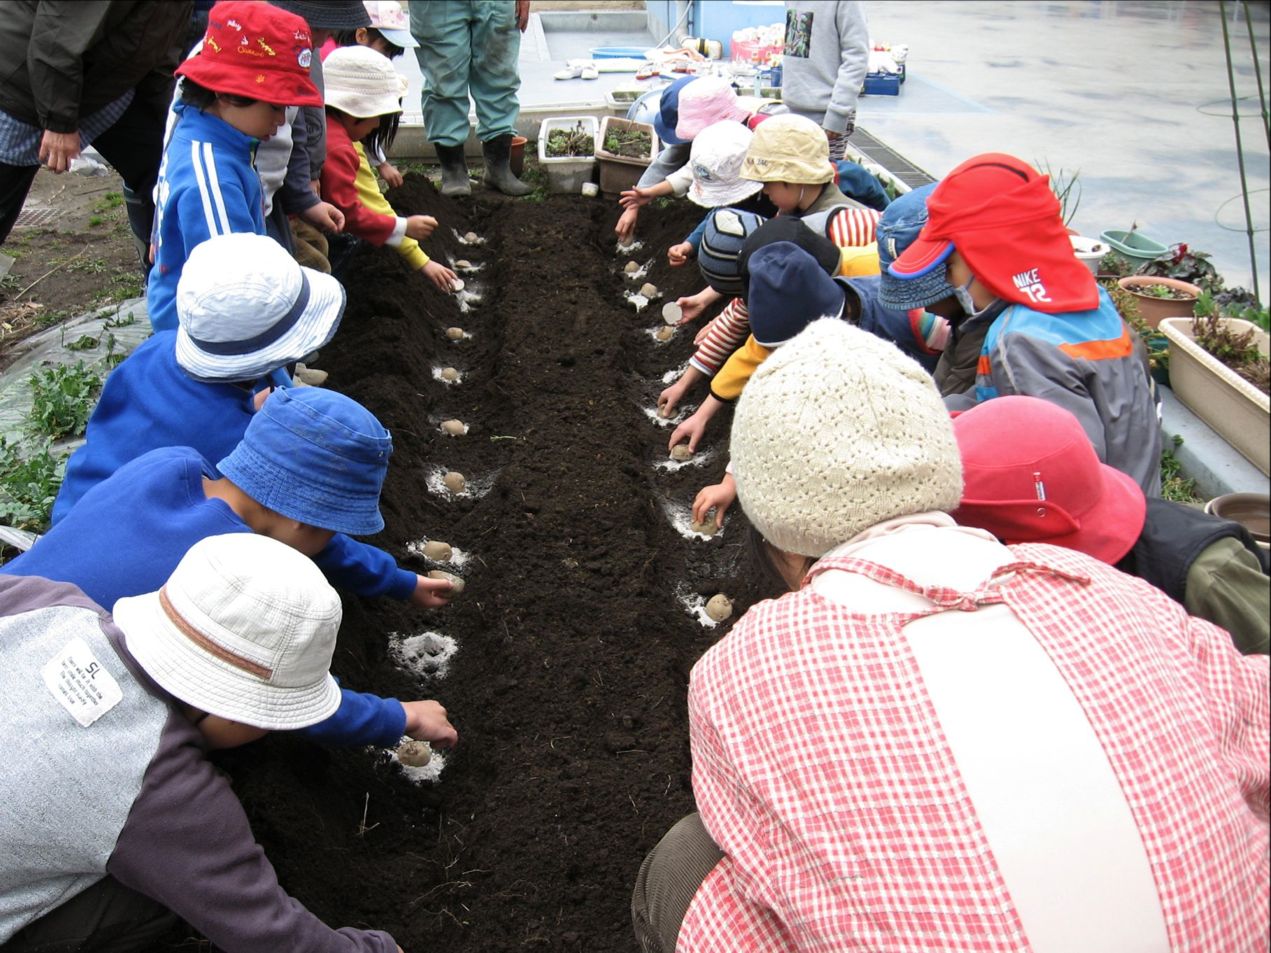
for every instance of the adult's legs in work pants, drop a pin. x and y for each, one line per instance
(467, 46)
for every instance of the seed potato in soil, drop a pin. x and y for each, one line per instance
(574, 646)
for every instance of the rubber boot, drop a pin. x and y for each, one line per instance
(454, 170)
(498, 175)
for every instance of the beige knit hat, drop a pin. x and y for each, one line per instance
(362, 83)
(788, 148)
(836, 431)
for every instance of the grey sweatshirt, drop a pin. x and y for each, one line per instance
(130, 794)
(826, 58)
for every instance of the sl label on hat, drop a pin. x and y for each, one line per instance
(80, 684)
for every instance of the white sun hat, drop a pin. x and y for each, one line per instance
(392, 21)
(362, 83)
(245, 308)
(715, 159)
(244, 628)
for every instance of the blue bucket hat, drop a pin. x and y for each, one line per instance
(788, 291)
(719, 257)
(857, 182)
(796, 232)
(899, 225)
(668, 116)
(315, 456)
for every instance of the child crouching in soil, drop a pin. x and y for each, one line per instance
(116, 825)
(363, 105)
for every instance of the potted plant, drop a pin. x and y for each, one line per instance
(1154, 341)
(624, 150)
(1114, 265)
(1160, 298)
(1219, 369)
(1133, 244)
(567, 151)
(1089, 251)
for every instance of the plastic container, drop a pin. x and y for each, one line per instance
(619, 173)
(618, 52)
(882, 84)
(566, 174)
(1133, 245)
(1234, 408)
(1250, 510)
(757, 44)
(1089, 251)
(620, 100)
(1154, 310)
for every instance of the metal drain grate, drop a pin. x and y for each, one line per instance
(890, 159)
(35, 215)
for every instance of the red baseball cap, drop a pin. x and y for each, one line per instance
(1001, 216)
(257, 51)
(1031, 475)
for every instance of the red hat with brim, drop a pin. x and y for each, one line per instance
(1004, 220)
(257, 51)
(1031, 475)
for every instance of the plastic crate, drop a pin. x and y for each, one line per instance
(567, 173)
(619, 173)
(882, 84)
(619, 100)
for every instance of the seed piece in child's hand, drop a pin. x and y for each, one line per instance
(449, 374)
(454, 481)
(664, 334)
(436, 550)
(455, 334)
(649, 289)
(680, 452)
(632, 267)
(707, 527)
(455, 428)
(456, 582)
(665, 411)
(456, 285)
(414, 754)
(719, 607)
(672, 313)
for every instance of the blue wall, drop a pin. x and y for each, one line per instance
(714, 19)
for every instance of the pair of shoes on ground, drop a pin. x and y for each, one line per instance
(578, 69)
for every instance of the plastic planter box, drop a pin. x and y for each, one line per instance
(619, 100)
(619, 173)
(1234, 408)
(1133, 245)
(567, 173)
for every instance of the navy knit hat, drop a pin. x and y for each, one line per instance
(788, 291)
(668, 116)
(900, 224)
(795, 231)
(315, 456)
(719, 258)
(328, 14)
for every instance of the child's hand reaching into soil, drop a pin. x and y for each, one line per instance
(670, 398)
(718, 496)
(692, 306)
(625, 229)
(431, 593)
(693, 428)
(678, 255)
(420, 227)
(324, 216)
(427, 721)
(440, 275)
(392, 178)
(634, 198)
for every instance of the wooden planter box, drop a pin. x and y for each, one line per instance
(1234, 408)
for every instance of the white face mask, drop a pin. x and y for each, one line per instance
(963, 294)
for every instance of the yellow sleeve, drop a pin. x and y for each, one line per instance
(730, 380)
(858, 261)
(369, 194)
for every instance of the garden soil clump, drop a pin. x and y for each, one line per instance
(574, 647)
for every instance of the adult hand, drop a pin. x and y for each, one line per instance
(718, 496)
(58, 149)
(431, 593)
(391, 176)
(678, 255)
(635, 198)
(441, 276)
(324, 216)
(420, 227)
(522, 14)
(427, 721)
(625, 229)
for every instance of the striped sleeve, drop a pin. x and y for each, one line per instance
(723, 336)
(852, 227)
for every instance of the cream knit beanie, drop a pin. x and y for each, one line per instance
(836, 431)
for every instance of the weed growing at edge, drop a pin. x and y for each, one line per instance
(28, 485)
(1175, 486)
(62, 399)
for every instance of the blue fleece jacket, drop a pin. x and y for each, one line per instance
(895, 326)
(148, 401)
(127, 534)
(207, 186)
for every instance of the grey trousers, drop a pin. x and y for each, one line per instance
(669, 878)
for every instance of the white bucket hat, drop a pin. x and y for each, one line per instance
(246, 308)
(362, 83)
(244, 628)
(392, 21)
(716, 157)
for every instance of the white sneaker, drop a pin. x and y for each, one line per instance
(590, 72)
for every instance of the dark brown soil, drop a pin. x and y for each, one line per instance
(568, 688)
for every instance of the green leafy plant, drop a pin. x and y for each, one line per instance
(1236, 349)
(1185, 264)
(629, 143)
(1162, 291)
(1175, 486)
(1116, 265)
(1157, 344)
(29, 484)
(63, 399)
(570, 142)
(1067, 188)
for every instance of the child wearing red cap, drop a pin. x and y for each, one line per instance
(994, 222)
(253, 64)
